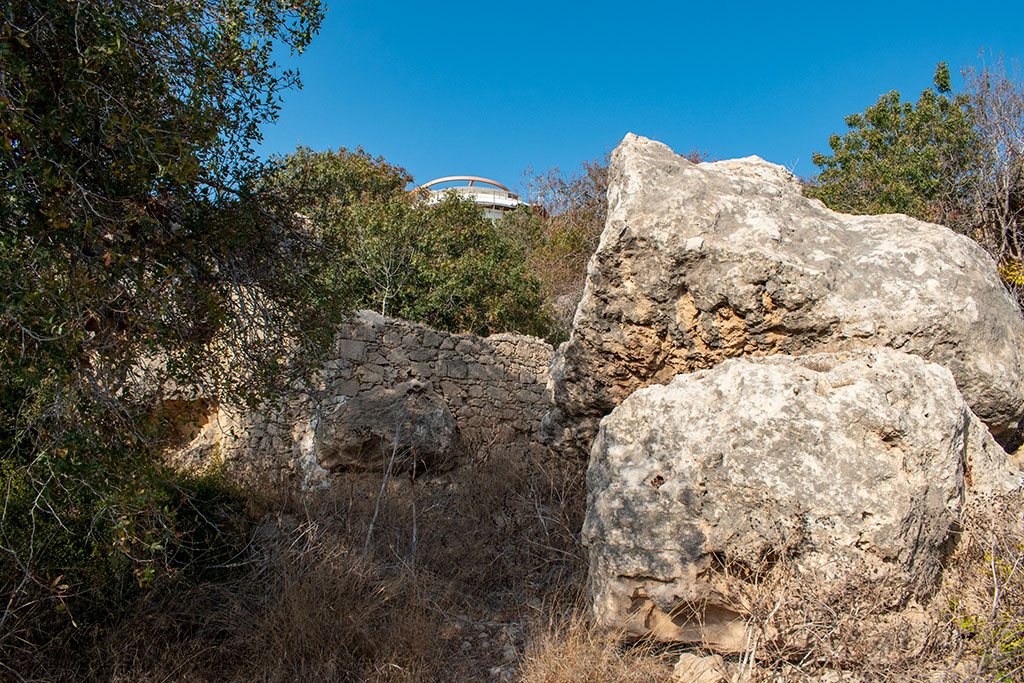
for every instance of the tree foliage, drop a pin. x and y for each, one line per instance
(132, 228)
(902, 157)
(126, 171)
(561, 229)
(322, 185)
(441, 264)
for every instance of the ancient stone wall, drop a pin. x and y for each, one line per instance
(494, 387)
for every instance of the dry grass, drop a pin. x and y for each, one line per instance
(804, 624)
(567, 648)
(970, 629)
(307, 610)
(433, 583)
(983, 593)
(476, 575)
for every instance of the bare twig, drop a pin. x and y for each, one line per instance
(380, 495)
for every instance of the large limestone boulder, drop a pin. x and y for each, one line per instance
(400, 427)
(851, 466)
(703, 262)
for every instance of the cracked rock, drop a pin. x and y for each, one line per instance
(703, 262)
(850, 467)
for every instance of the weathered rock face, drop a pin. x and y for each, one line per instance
(399, 428)
(703, 262)
(851, 465)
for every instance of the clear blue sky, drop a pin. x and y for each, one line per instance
(489, 88)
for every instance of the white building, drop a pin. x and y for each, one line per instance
(492, 196)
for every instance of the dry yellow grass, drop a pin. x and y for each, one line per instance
(308, 610)
(440, 595)
(477, 576)
(567, 648)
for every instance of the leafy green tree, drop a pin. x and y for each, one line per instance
(469, 274)
(342, 194)
(902, 157)
(442, 264)
(322, 185)
(132, 227)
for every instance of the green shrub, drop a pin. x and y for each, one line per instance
(444, 264)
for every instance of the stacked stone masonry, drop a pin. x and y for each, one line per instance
(494, 387)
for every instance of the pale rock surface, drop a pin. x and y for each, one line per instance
(691, 668)
(410, 422)
(703, 262)
(852, 465)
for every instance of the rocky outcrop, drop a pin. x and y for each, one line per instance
(383, 382)
(850, 466)
(703, 262)
(402, 428)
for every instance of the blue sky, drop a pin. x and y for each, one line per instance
(487, 88)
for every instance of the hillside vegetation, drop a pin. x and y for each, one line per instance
(138, 223)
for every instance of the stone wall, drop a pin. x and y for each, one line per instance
(494, 387)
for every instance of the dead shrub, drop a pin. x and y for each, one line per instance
(804, 624)
(983, 592)
(806, 627)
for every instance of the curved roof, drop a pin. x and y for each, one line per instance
(470, 178)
